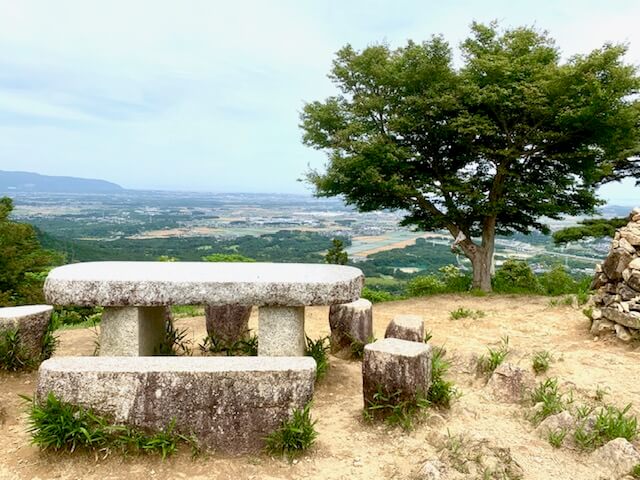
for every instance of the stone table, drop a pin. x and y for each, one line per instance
(135, 294)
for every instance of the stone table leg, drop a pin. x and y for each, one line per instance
(131, 331)
(281, 332)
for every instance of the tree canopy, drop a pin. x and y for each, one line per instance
(23, 262)
(512, 135)
(336, 254)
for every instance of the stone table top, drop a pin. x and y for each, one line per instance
(112, 284)
(11, 313)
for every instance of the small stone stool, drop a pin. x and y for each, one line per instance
(228, 323)
(406, 327)
(395, 365)
(350, 322)
(31, 322)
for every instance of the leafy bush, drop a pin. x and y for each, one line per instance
(389, 406)
(294, 436)
(227, 257)
(76, 317)
(515, 276)
(13, 355)
(441, 392)
(377, 296)
(454, 280)
(318, 351)
(425, 285)
(557, 281)
(62, 427)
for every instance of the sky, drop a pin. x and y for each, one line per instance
(206, 95)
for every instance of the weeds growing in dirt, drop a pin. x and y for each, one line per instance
(14, 356)
(610, 423)
(541, 361)
(62, 427)
(427, 336)
(441, 392)
(465, 313)
(395, 411)
(294, 436)
(175, 341)
(600, 393)
(556, 437)
(318, 351)
(550, 399)
(494, 358)
(212, 345)
(635, 471)
(357, 347)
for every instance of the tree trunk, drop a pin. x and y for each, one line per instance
(481, 263)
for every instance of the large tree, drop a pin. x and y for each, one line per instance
(511, 135)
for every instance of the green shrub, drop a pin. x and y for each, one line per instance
(318, 351)
(389, 407)
(635, 471)
(541, 361)
(454, 280)
(62, 427)
(76, 317)
(425, 285)
(226, 257)
(377, 296)
(441, 392)
(13, 355)
(557, 281)
(515, 276)
(357, 347)
(294, 436)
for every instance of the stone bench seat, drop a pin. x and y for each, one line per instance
(134, 294)
(229, 403)
(31, 323)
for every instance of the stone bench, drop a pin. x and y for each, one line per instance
(31, 322)
(228, 403)
(134, 294)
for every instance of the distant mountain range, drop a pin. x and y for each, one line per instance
(34, 182)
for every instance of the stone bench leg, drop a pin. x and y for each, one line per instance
(281, 332)
(131, 331)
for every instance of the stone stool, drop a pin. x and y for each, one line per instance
(395, 365)
(228, 323)
(350, 322)
(31, 322)
(406, 327)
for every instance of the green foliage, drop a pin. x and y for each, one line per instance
(227, 257)
(23, 262)
(515, 276)
(462, 312)
(175, 341)
(294, 436)
(494, 357)
(549, 398)
(557, 281)
(318, 350)
(635, 471)
(336, 254)
(394, 410)
(592, 227)
(377, 296)
(76, 316)
(556, 437)
(441, 392)
(243, 347)
(511, 135)
(541, 361)
(180, 311)
(13, 355)
(425, 285)
(357, 347)
(62, 427)
(610, 423)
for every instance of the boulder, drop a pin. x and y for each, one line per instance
(598, 327)
(631, 237)
(350, 322)
(618, 457)
(31, 322)
(406, 327)
(432, 470)
(615, 263)
(634, 280)
(562, 421)
(395, 365)
(626, 293)
(229, 403)
(623, 333)
(228, 323)
(508, 383)
(630, 319)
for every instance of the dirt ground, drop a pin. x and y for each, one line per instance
(349, 448)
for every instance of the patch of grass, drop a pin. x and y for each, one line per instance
(294, 436)
(357, 347)
(635, 471)
(557, 437)
(541, 361)
(548, 395)
(62, 427)
(394, 411)
(588, 312)
(441, 392)
(213, 345)
(494, 358)
(566, 300)
(318, 350)
(476, 292)
(175, 341)
(600, 393)
(427, 336)
(465, 313)
(610, 423)
(182, 311)
(13, 355)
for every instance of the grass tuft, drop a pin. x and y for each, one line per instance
(541, 361)
(494, 358)
(175, 341)
(294, 435)
(548, 395)
(213, 345)
(395, 411)
(557, 437)
(610, 423)
(318, 350)
(441, 392)
(465, 313)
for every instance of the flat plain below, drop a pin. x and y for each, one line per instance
(347, 447)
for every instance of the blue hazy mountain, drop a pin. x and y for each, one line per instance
(34, 182)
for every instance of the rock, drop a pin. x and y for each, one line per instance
(623, 333)
(626, 293)
(228, 323)
(432, 470)
(395, 365)
(618, 456)
(599, 280)
(631, 319)
(615, 263)
(632, 238)
(406, 327)
(634, 280)
(350, 322)
(555, 423)
(634, 264)
(596, 314)
(509, 383)
(625, 245)
(598, 327)
(229, 403)
(31, 322)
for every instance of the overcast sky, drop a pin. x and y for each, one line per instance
(206, 95)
